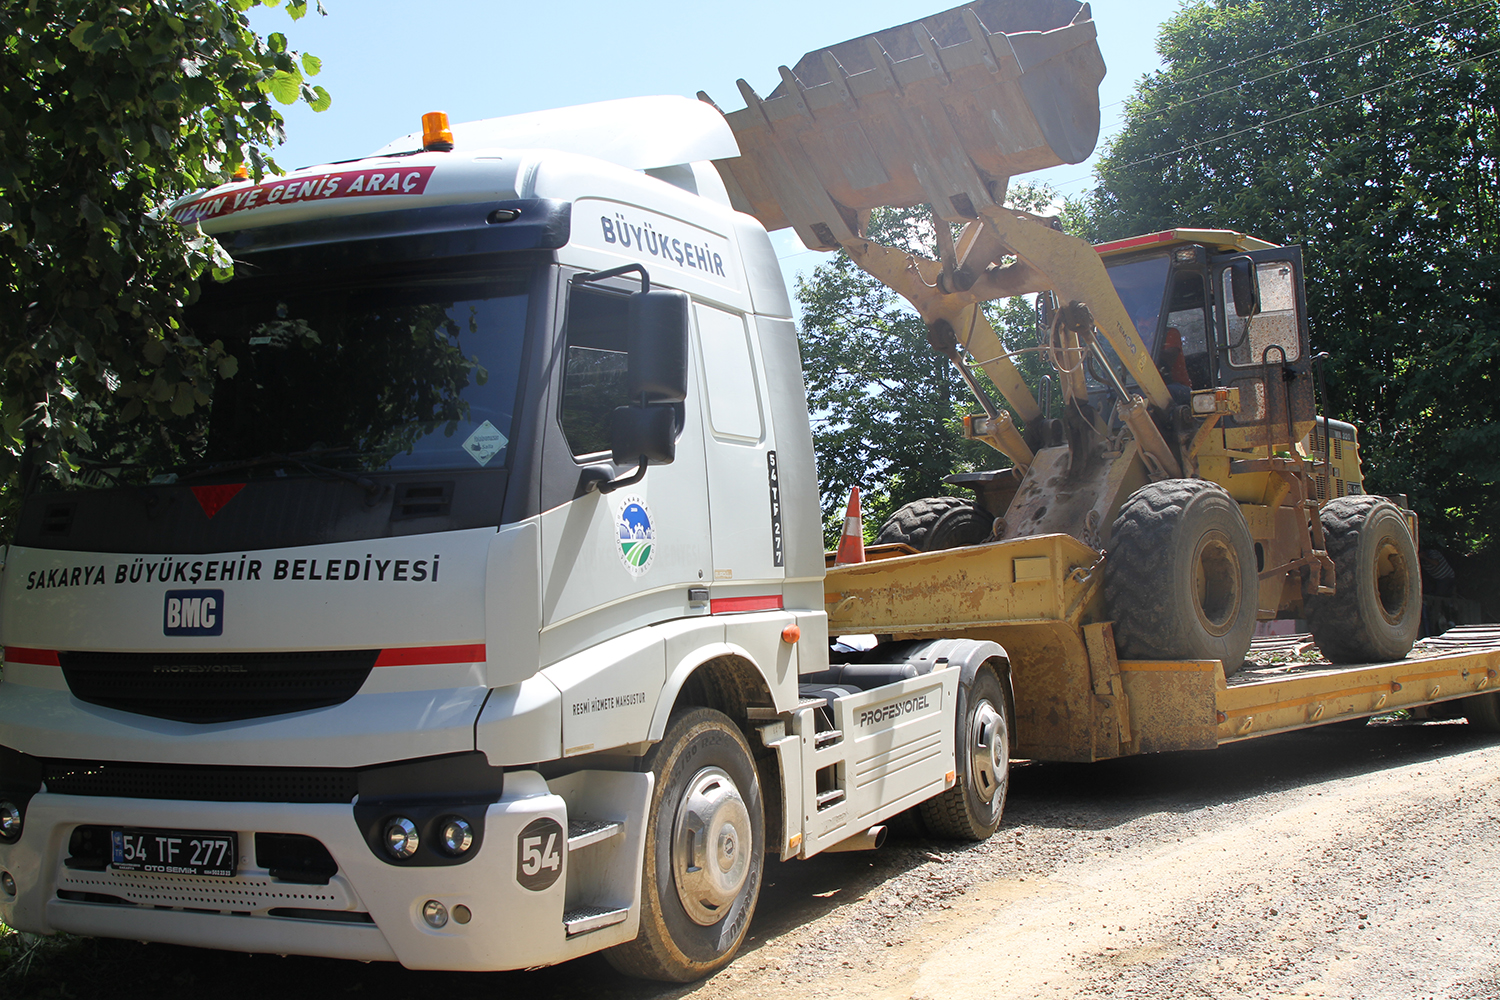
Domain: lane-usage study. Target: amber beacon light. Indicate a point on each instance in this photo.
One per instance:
(436, 136)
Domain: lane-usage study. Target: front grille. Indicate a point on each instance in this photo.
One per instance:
(203, 784)
(216, 687)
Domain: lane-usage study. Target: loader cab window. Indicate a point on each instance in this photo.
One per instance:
(1184, 358)
(595, 367)
(1141, 285)
(1254, 340)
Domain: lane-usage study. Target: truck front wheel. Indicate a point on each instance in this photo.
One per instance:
(705, 851)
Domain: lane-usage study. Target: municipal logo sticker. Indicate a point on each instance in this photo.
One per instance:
(636, 534)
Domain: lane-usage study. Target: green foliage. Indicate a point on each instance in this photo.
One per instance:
(109, 110)
(887, 409)
(1367, 133)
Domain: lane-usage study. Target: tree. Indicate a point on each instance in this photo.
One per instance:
(109, 110)
(887, 409)
(1367, 132)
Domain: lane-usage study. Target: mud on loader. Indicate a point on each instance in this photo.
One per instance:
(1183, 465)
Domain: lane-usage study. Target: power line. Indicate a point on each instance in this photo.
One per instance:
(1307, 62)
(1235, 63)
(1306, 111)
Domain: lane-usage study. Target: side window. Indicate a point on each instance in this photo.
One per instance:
(1274, 326)
(594, 369)
(733, 402)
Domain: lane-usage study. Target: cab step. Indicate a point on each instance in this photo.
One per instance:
(592, 918)
(583, 832)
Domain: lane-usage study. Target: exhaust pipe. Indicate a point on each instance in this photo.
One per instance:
(869, 840)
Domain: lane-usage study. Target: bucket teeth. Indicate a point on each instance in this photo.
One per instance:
(941, 111)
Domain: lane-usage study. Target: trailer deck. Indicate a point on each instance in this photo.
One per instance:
(1075, 701)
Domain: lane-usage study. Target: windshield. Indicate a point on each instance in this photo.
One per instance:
(1141, 285)
(410, 373)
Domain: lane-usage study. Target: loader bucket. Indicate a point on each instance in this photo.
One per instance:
(941, 111)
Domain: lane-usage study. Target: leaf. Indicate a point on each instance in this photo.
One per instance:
(229, 366)
(77, 35)
(285, 86)
(322, 100)
(90, 211)
(311, 64)
(182, 399)
(276, 42)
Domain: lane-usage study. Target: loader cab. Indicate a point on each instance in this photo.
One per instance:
(1218, 308)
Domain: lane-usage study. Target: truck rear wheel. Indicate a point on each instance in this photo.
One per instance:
(1482, 711)
(705, 852)
(1377, 609)
(1180, 580)
(937, 523)
(972, 808)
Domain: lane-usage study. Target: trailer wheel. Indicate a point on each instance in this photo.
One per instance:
(1482, 711)
(1375, 614)
(705, 851)
(937, 523)
(1180, 580)
(972, 808)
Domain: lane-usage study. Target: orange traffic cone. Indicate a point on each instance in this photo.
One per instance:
(852, 544)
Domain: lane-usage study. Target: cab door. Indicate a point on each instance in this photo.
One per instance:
(1265, 355)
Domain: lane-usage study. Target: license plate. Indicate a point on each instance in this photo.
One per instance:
(174, 852)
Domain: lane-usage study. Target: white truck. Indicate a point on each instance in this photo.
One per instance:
(482, 622)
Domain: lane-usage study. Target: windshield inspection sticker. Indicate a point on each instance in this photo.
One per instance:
(637, 535)
(485, 443)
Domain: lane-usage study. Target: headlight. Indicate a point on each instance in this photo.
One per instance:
(401, 837)
(455, 836)
(10, 821)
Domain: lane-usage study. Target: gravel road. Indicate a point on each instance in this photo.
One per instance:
(1339, 862)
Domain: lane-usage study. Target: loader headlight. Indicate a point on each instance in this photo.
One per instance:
(10, 821)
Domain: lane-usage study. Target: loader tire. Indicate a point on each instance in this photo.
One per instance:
(705, 804)
(937, 523)
(972, 808)
(1180, 579)
(1377, 608)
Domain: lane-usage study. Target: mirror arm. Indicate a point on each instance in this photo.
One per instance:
(611, 485)
(615, 272)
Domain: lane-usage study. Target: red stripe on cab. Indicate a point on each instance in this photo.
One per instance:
(768, 602)
(42, 657)
(410, 655)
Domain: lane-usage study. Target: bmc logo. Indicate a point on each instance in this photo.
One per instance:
(194, 612)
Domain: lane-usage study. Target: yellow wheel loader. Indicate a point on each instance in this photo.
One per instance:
(1183, 457)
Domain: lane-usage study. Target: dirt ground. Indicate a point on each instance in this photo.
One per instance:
(1343, 862)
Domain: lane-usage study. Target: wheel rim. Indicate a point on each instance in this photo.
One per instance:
(1216, 583)
(1391, 581)
(711, 845)
(989, 753)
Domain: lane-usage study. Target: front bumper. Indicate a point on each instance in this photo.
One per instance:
(370, 909)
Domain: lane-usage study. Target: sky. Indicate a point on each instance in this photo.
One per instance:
(386, 62)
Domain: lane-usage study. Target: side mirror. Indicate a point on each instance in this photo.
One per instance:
(657, 338)
(656, 378)
(643, 432)
(1244, 284)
